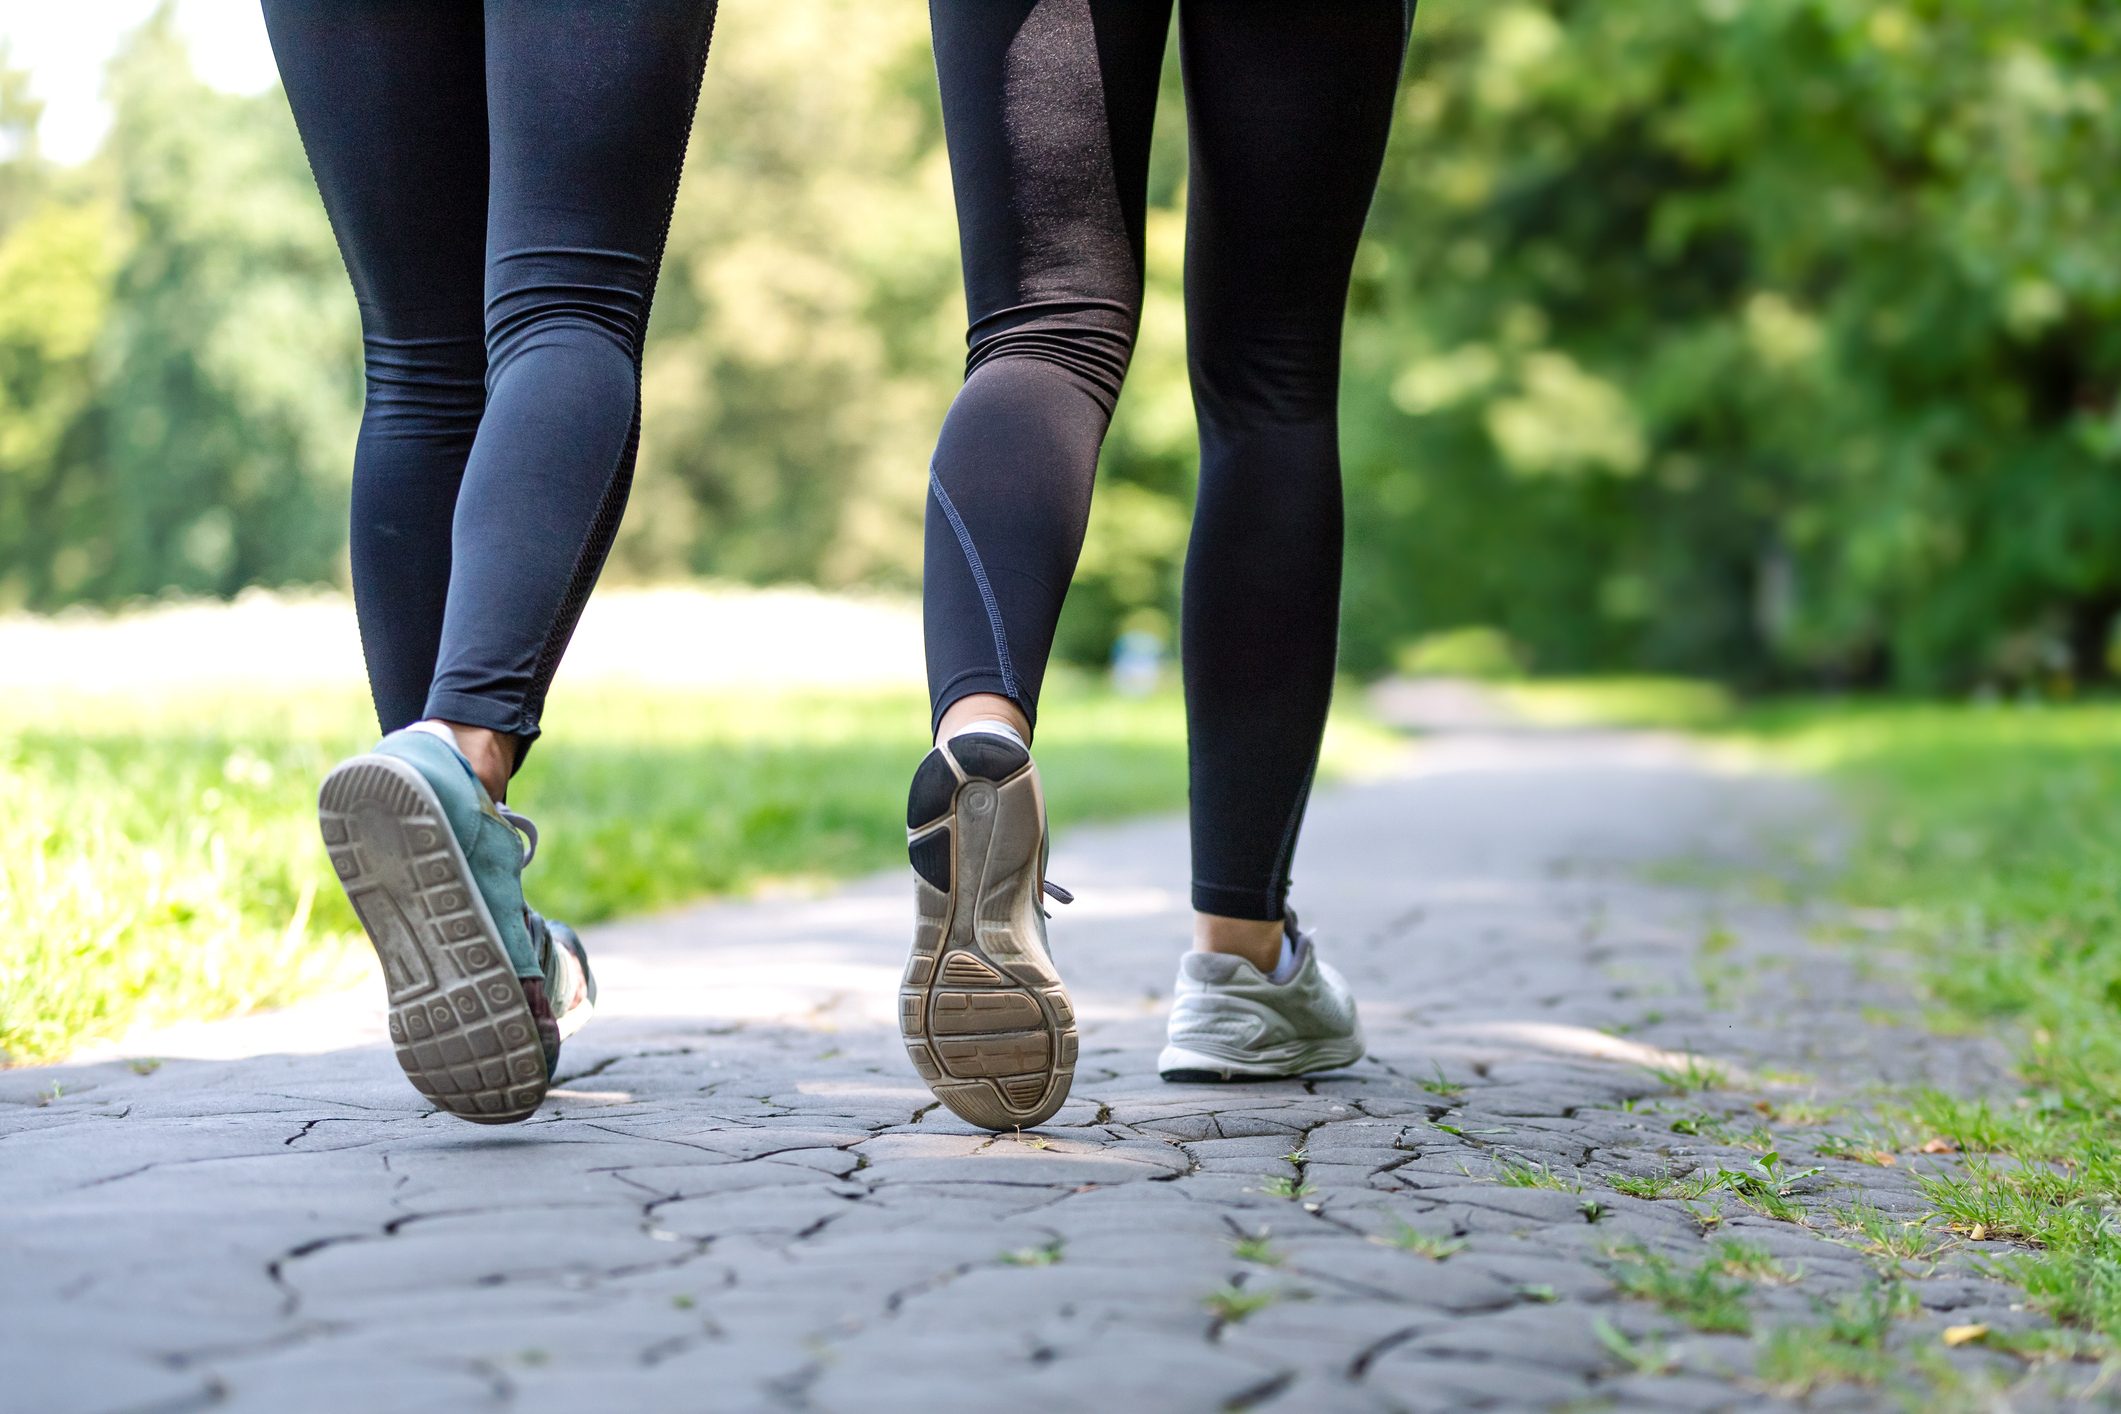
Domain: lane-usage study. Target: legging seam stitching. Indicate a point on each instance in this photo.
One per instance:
(1278, 882)
(979, 579)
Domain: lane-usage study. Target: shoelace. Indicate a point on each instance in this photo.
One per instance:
(524, 826)
(1055, 892)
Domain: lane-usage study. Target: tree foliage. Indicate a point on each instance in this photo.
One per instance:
(1774, 337)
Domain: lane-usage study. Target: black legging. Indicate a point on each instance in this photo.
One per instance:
(500, 177)
(1048, 105)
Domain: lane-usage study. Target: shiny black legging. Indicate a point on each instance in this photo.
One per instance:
(1048, 106)
(500, 176)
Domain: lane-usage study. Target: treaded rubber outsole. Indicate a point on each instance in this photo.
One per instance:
(459, 1021)
(985, 1018)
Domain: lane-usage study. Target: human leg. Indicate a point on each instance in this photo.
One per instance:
(1047, 106)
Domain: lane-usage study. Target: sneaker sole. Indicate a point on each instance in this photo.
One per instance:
(1182, 1066)
(459, 1022)
(985, 1018)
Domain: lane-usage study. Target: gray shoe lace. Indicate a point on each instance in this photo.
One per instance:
(523, 825)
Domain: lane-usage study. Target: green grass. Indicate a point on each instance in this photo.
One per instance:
(159, 859)
(1992, 842)
(1992, 846)
(1994, 837)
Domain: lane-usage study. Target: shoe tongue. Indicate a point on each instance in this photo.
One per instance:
(1211, 967)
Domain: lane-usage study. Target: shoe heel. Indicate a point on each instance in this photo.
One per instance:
(992, 1033)
(460, 1024)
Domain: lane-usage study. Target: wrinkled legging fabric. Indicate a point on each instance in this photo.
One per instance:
(1048, 106)
(500, 177)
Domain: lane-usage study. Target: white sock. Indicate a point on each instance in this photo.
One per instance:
(437, 729)
(1285, 969)
(993, 726)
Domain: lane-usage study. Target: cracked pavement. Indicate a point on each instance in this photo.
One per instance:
(740, 1196)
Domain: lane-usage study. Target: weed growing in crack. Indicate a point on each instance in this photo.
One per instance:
(1043, 1255)
(1749, 1261)
(1257, 1249)
(1764, 1185)
(1848, 1346)
(1691, 1076)
(1281, 1187)
(1840, 1146)
(1684, 1187)
(1443, 1089)
(1231, 1303)
(1801, 1114)
(1656, 1185)
(1907, 1240)
(1409, 1239)
(1524, 1173)
(1643, 1357)
(1702, 1295)
(1774, 1205)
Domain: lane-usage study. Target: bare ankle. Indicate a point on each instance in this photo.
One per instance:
(1257, 942)
(492, 755)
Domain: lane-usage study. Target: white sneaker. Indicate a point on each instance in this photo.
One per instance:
(1229, 1021)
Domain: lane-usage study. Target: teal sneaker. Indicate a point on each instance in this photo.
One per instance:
(481, 989)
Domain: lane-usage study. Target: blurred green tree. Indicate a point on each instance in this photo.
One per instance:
(1771, 339)
(228, 379)
(20, 169)
(56, 255)
(808, 325)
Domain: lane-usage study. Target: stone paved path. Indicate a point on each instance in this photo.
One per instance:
(742, 1199)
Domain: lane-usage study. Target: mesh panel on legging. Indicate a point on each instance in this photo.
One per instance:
(1048, 106)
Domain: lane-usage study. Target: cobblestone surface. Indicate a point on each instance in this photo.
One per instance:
(741, 1198)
